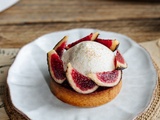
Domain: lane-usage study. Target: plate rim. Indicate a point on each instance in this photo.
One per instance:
(43, 36)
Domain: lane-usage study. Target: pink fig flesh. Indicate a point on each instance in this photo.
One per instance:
(55, 65)
(79, 82)
(111, 44)
(120, 61)
(60, 46)
(90, 37)
(106, 79)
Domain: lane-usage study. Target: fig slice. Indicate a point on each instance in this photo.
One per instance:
(79, 82)
(120, 63)
(90, 37)
(55, 65)
(111, 44)
(106, 79)
(59, 47)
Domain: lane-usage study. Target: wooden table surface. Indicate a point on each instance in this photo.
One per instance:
(29, 19)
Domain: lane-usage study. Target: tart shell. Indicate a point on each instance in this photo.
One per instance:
(94, 99)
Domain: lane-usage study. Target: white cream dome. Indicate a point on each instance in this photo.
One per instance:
(89, 57)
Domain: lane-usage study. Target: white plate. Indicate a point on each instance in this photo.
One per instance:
(28, 81)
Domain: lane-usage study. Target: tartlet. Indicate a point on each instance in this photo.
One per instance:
(87, 72)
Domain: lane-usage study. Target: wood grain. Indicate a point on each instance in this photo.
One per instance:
(15, 36)
(29, 19)
(36, 11)
(3, 114)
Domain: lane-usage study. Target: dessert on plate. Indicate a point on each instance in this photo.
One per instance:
(87, 72)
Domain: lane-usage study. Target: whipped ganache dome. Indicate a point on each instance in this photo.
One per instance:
(89, 57)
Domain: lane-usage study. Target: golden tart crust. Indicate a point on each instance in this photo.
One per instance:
(94, 99)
